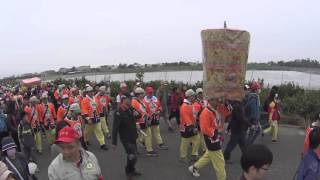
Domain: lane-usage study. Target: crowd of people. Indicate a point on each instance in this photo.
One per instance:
(69, 116)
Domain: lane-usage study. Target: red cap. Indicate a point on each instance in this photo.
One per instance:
(255, 86)
(149, 90)
(67, 135)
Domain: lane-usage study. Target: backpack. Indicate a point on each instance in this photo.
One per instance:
(26, 134)
(3, 123)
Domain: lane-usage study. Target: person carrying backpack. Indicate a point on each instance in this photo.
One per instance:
(252, 112)
(26, 136)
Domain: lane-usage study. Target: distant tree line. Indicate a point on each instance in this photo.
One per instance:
(309, 63)
(297, 65)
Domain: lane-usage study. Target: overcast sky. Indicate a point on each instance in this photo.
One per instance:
(37, 35)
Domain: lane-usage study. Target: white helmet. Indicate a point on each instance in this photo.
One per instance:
(189, 93)
(199, 90)
(88, 89)
(139, 90)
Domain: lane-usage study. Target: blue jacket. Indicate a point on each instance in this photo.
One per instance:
(309, 168)
(252, 107)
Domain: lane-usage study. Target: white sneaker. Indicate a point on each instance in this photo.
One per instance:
(194, 171)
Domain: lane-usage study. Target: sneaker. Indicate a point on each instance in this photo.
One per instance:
(194, 171)
(274, 141)
(163, 146)
(104, 147)
(152, 154)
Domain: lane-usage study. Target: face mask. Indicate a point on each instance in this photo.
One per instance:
(11, 153)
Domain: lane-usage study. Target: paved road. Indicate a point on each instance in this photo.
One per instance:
(166, 167)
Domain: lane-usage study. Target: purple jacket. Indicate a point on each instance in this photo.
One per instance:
(309, 168)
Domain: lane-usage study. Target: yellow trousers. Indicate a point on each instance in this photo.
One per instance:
(185, 143)
(38, 141)
(104, 126)
(146, 139)
(156, 134)
(51, 135)
(203, 143)
(96, 129)
(217, 160)
(274, 128)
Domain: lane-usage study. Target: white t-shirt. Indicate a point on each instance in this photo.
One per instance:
(118, 99)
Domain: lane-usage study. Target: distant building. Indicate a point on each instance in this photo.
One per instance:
(63, 70)
(105, 68)
(49, 72)
(83, 69)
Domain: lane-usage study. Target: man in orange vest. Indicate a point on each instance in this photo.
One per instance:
(188, 128)
(198, 107)
(103, 101)
(155, 108)
(92, 119)
(48, 117)
(63, 109)
(34, 113)
(75, 120)
(209, 128)
(143, 124)
(61, 90)
(75, 97)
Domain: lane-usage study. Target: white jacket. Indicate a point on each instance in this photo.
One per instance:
(89, 169)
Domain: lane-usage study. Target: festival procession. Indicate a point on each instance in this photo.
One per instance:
(76, 128)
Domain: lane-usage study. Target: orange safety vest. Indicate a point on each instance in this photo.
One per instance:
(89, 107)
(62, 111)
(77, 99)
(187, 115)
(102, 103)
(208, 122)
(76, 124)
(34, 114)
(48, 114)
(142, 108)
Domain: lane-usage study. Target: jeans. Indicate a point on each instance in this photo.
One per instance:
(253, 134)
(236, 138)
(132, 158)
(175, 114)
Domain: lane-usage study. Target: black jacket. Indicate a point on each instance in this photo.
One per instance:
(238, 123)
(124, 123)
(20, 163)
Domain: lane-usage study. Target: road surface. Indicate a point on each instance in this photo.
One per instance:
(167, 167)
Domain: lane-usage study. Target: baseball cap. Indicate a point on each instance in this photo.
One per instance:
(67, 135)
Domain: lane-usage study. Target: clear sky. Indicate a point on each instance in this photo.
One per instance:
(37, 35)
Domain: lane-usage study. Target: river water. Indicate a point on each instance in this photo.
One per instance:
(305, 80)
